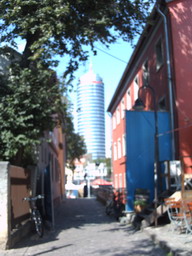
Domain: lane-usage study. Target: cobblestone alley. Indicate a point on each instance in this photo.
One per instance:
(81, 229)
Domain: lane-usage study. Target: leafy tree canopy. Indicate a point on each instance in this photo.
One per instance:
(28, 99)
(64, 26)
(29, 90)
(75, 144)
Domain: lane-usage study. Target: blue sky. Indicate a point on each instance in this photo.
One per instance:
(110, 64)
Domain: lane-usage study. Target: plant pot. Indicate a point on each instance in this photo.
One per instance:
(139, 208)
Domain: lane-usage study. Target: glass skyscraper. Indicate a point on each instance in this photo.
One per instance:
(91, 113)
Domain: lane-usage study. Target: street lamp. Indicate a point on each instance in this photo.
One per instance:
(139, 105)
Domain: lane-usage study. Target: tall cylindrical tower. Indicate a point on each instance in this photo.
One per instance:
(91, 113)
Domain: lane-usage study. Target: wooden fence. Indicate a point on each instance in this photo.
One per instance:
(15, 184)
(19, 188)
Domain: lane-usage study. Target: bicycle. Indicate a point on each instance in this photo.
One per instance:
(114, 206)
(109, 209)
(35, 214)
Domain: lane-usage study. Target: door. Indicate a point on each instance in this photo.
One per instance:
(48, 196)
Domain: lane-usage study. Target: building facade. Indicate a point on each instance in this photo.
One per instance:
(91, 114)
(51, 169)
(47, 177)
(161, 59)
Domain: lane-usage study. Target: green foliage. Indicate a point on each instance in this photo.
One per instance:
(140, 202)
(75, 144)
(63, 27)
(169, 254)
(29, 90)
(26, 108)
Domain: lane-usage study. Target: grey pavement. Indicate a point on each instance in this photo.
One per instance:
(82, 228)
(172, 241)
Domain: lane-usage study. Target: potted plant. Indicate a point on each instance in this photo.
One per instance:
(139, 205)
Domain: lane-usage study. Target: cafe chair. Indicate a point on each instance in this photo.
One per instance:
(176, 214)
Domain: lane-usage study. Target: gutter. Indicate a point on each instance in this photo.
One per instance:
(170, 79)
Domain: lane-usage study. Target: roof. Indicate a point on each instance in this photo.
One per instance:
(117, 95)
(101, 182)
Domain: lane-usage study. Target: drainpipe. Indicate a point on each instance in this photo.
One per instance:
(170, 84)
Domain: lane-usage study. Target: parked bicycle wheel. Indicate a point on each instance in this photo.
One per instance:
(38, 222)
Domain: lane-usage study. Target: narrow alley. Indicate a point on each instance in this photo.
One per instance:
(83, 228)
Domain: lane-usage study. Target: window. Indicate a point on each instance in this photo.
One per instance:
(120, 181)
(115, 151)
(162, 104)
(116, 181)
(129, 99)
(119, 148)
(123, 145)
(145, 73)
(159, 54)
(114, 121)
(136, 87)
(118, 115)
(122, 108)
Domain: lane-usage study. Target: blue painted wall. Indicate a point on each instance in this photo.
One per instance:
(140, 130)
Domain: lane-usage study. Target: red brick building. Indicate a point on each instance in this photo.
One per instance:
(163, 59)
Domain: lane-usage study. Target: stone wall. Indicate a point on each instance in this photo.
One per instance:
(4, 205)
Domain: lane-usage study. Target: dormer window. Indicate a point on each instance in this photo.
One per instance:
(162, 104)
(136, 87)
(159, 54)
(129, 99)
(122, 108)
(118, 115)
(145, 72)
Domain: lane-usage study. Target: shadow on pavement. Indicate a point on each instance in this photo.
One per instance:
(139, 248)
(54, 248)
(72, 213)
(75, 222)
(75, 213)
